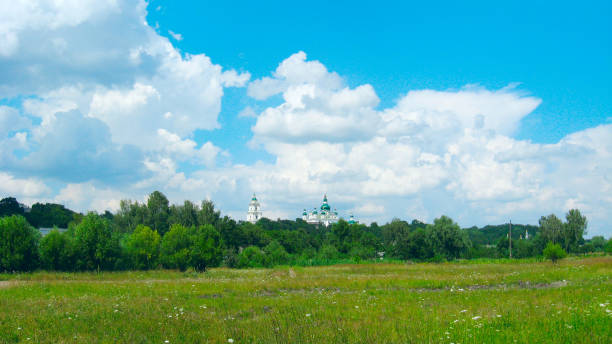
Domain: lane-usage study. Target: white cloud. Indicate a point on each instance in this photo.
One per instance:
(176, 36)
(20, 187)
(434, 152)
(78, 197)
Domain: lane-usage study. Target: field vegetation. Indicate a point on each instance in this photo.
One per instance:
(518, 301)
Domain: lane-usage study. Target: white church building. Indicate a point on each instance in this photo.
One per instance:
(254, 213)
(324, 216)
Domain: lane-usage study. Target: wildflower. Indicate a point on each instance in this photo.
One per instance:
(463, 311)
(116, 310)
(19, 328)
(307, 314)
(476, 317)
(356, 307)
(230, 340)
(166, 341)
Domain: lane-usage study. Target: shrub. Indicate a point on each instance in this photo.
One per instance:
(142, 247)
(57, 251)
(553, 252)
(275, 254)
(251, 257)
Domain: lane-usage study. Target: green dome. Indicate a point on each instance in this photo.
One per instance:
(325, 206)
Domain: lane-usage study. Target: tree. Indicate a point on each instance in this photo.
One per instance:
(9, 206)
(157, 204)
(207, 248)
(57, 251)
(186, 214)
(447, 239)
(551, 228)
(18, 244)
(95, 243)
(574, 229)
(208, 214)
(130, 215)
(175, 248)
(609, 246)
(598, 242)
(554, 252)
(142, 248)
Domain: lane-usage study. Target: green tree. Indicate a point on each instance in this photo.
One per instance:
(130, 215)
(175, 248)
(598, 242)
(186, 214)
(207, 248)
(9, 206)
(95, 243)
(208, 215)
(609, 246)
(554, 252)
(142, 248)
(447, 239)
(57, 251)
(551, 228)
(18, 244)
(574, 229)
(157, 204)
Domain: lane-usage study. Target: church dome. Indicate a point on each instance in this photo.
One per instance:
(325, 206)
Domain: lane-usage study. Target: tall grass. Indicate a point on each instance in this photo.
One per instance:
(461, 302)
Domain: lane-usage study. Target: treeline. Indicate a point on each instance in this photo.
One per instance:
(156, 234)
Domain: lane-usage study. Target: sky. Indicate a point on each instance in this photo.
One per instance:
(481, 111)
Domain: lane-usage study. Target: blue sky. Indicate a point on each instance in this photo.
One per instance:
(478, 110)
(559, 52)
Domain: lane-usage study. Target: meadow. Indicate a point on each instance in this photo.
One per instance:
(520, 301)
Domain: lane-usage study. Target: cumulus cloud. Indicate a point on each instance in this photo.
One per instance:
(20, 187)
(76, 148)
(110, 92)
(450, 150)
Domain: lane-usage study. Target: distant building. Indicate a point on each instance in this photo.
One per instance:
(254, 213)
(46, 230)
(352, 220)
(324, 217)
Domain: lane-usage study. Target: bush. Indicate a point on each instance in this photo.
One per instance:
(275, 254)
(251, 257)
(553, 252)
(18, 244)
(57, 251)
(142, 248)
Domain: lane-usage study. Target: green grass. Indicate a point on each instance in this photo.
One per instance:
(489, 302)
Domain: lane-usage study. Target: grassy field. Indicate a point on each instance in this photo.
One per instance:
(521, 301)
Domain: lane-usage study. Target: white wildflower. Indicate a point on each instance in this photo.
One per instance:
(230, 340)
(463, 311)
(476, 317)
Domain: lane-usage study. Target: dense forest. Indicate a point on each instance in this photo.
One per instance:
(190, 236)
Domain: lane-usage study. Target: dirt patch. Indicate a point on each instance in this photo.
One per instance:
(8, 284)
(210, 296)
